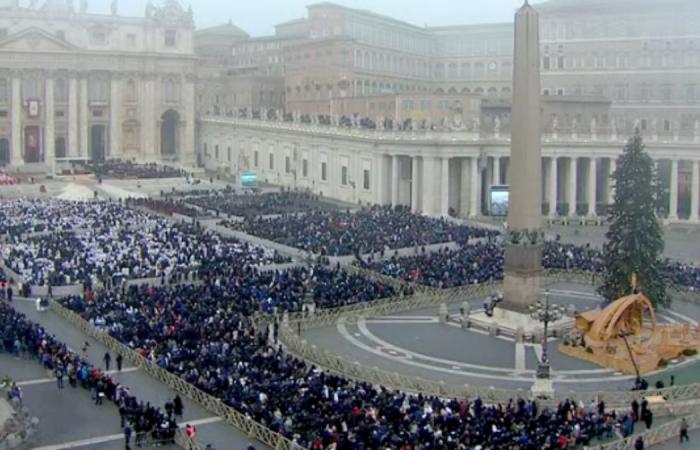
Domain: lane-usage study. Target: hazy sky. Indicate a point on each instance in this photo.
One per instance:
(258, 17)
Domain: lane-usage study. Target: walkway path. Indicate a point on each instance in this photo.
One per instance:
(69, 419)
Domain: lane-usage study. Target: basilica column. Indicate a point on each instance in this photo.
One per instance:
(573, 173)
(695, 186)
(465, 168)
(414, 184)
(115, 129)
(673, 194)
(474, 188)
(84, 111)
(187, 149)
(73, 144)
(17, 159)
(394, 180)
(553, 186)
(148, 119)
(50, 136)
(431, 205)
(592, 185)
(445, 187)
(496, 171)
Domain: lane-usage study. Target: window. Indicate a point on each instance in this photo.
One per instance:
(644, 124)
(305, 168)
(272, 162)
(546, 62)
(560, 92)
(205, 150)
(216, 152)
(98, 37)
(98, 91)
(229, 154)
(545, 92)
(324, 171)
(426, 105)
(170, 38)
(255, 159)
(365, 179)
(344, 175)
(287, 165)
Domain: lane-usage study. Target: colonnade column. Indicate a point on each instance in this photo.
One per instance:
(553, 186)
(73, 144)
(445, 187)
(50, 138)
(673, 200)
(115, 145)
(84, 149)
(414, 184)
(592, 185)
(573, 172)
(474, 188)
(695, 186)
(16, 159)
(431, 204)
(187, 148)
(394, 180)
(611, 182)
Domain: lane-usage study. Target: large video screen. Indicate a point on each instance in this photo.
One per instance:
(498, 200)
(249, 180)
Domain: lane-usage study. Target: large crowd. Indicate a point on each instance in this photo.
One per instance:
(483, 262)
(211, 342)
(23, 338)
(116, 168)
(252, 205)
(109, 241)
(370, 230)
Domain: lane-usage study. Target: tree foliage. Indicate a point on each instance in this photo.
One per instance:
(635, 237)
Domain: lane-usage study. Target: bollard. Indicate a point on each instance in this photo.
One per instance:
(443, 314)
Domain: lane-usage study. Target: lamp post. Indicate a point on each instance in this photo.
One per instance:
(545, 312)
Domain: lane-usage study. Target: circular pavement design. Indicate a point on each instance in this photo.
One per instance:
(415, 343)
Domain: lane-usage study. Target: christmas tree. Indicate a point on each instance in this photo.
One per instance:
(635, 238)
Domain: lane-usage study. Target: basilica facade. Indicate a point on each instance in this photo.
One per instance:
(75, 85)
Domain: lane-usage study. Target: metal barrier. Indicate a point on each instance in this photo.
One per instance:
(253, 429)
(657, 435)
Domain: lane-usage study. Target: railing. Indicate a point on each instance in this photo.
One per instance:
(656, 435)
(253, 429)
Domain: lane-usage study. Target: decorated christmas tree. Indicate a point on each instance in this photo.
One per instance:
(635, 238)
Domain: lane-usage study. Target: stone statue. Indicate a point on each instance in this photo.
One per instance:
(380, 123)
(637, 127)
(594, 128)
(613, 130)
(574, 128)
(497, 127)
(149, 9)
(696, 131)
(113, 7)
(457, 123)
(555, 124)
(83, 6)
(395, 124)
(476, 124)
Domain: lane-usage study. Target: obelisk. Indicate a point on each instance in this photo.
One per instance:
(523, 249)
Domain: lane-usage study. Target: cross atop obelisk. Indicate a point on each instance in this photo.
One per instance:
(523, 264)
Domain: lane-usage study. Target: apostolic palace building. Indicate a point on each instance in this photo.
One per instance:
(358, 106)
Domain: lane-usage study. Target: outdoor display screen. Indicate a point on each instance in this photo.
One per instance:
(249, 180)
(498, 200)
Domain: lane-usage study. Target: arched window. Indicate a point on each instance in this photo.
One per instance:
(171, 92)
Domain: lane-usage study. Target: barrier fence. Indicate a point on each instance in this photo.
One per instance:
(253, 429)
(654, 436)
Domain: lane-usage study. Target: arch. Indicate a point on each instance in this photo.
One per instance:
(4, 152)
(170, 123)
(493, 92)
(620, 315)
(466, 90)
(479, 90)
(452, 91)
(440, 91)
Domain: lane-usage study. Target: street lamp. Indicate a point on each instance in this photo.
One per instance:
(545, 313)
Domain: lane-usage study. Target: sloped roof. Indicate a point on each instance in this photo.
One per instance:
(227, 29)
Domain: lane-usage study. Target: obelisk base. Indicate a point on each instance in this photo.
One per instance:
(522, 277)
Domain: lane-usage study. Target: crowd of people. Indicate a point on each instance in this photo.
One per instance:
(252, 205)
(483, 262)
(211, 342)
(167, 207)
(116, 168)
(110, 241)
(25, 216)
(370, 230)
(23, 338)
